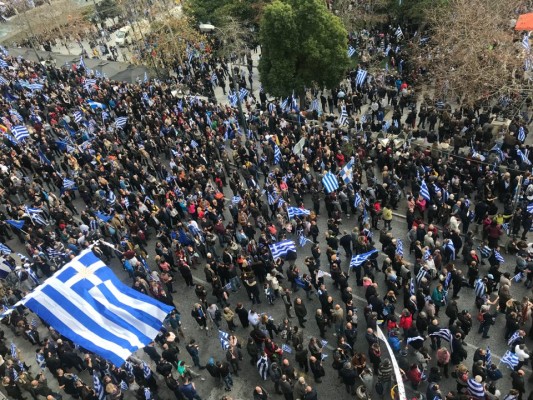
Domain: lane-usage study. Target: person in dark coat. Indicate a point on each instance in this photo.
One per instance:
(349, 377)
(242, 313)
(459, 353)
(12, 389)
(300, 311)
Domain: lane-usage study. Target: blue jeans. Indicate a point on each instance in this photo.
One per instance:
(228, 381)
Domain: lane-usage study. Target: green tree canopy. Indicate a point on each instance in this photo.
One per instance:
(107, 9)
(302, 44)
(214, 11)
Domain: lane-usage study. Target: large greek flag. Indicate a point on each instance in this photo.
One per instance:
(88, 304)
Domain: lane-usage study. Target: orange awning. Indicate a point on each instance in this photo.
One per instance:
(525, 22)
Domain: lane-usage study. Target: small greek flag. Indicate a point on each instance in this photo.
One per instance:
(315, 105)
(121, 122)
(361, 77)
(488, 357)
(4, 249)
(78, 116)
(236, 199)
(280, 249)
(224, 339)
(343, 118)
(233, 99)
(68, 183)
(297, 212)
(14, 352)
(518, 277)
(286, 348)
(351, 51)
(510, 359)
(3, 63)
(123, 386)
(424, 191)
(284, 104)
(521, 134)
(243, 92)
(346, 172)
(426, 255)
(359, 259)
(81, 63)
(523, 156)
(449, 245)
(303, 240)
(479, 288)
(147, 372)
(20, 132)
(214, 78)
(412, 290)
(98, 387)
(443, 333)
(498, 256)
(277, 154)
(399, 247)
(513, 338)
(330, 183)
(358, 200)
(398, 33)
(525, 42)
(194, 144)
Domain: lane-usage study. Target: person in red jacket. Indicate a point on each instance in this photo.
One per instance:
(406, 321)
(414, 375)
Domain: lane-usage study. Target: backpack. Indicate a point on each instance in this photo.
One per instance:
(480, 316)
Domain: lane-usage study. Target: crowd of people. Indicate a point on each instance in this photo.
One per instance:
(122, 167)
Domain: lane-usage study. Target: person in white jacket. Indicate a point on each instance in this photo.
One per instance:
(522, 353)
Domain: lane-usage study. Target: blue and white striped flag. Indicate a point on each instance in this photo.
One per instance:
(233, 99)
(286, 348)
(424, 191)
(315, 105)
(518, 277)
(412, 289)
(20, 132)
(303, 240)
(236, 199)
(16, 114)
(444, 334)
(284, 104)
(359, 259)
(343, 118)
(529, 208)
(88, 304)
(330, 183)
(447, 281)
(128, 367)
(523, 156)
(4, 249)
(14, 352)
(449, 245)
(68, 183)
(361, 77)
(81, 63)
(243, 92)
(223, 337)
(357, 201)
(123, 386)
(351, 51)
(35, 86)
(399, 247)
(475, 389)
(521, 134)
(98, 387)
(34, 323)
(498, 256)
(398, 33)
(513, 338)
(194, 144)
(525, 42)
(297, 212)
(214, 78)
(479, 288)
(147, 372)
(488, 357)
(280, 249)
(78, 116)
(3, 63)
(111, 198)
(510, 359)
(277, 154)
(121, 122)
(95, 104)
(427, 254)
(19, 224)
